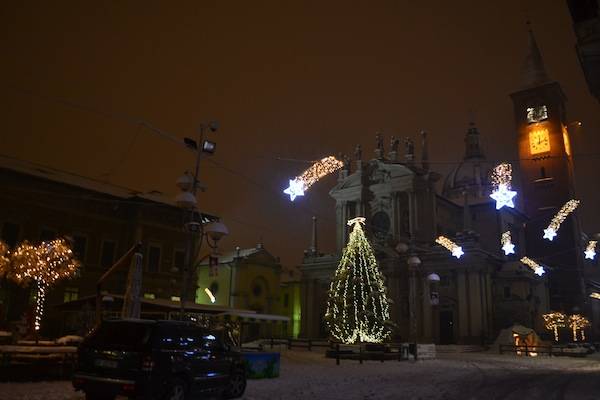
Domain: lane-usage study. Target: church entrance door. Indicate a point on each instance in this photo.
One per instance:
(446, 327)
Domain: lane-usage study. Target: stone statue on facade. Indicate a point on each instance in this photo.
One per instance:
(410, 149)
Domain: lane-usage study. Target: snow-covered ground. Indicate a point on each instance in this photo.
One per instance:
(310, 376)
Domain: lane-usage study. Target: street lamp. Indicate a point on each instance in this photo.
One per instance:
(188, 202)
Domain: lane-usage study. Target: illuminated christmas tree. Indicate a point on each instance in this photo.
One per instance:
(358, 306)
(553, 321)
(43, 265)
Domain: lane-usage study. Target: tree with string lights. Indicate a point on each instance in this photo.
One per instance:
(43, 265)
(358, 305)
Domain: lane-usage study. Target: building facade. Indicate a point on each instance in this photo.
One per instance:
(103, 221)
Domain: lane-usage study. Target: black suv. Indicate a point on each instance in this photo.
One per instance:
(146, 359)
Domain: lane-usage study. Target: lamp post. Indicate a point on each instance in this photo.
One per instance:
(413, 264)
(187, 201)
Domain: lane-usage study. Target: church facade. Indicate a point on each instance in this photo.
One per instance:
(437, 297)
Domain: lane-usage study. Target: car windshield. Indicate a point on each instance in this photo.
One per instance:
(121, 335)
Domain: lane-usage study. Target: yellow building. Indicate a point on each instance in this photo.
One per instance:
(253, 279)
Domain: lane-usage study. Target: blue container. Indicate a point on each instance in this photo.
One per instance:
(261, 365)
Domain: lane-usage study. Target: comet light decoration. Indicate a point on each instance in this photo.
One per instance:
(455, 249)
(552, 229)
(553, 321)
(501, 180)
(578, 322)
(43, 265)
(210, 295)
(318, 170)
(590, 250)
(507, 245)
(535, 267)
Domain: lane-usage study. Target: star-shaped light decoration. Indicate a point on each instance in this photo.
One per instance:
(503, 196)
(295, 189)
(457, 251)
(508, 248)
(590, 254)
(539, 271)
(549, 233)
(507, 245)
(590, 250)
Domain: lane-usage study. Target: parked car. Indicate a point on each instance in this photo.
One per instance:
(147, 359)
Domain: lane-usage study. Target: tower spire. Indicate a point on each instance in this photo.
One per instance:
(472, 143)
(534, 72)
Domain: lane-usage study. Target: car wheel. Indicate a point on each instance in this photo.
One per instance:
(237, 386)
(177, 390)
(98, 396)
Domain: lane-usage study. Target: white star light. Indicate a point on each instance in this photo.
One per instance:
(503, 196)
(508, 248)
(590, 254)
(539, 271)
(549, 233)
(295, 189)
(457, 251)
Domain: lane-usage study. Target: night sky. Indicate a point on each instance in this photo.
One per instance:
(286, 80)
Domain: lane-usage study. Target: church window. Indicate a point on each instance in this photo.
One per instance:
(543, 172)
(537, 114)
(286, 299)
(381, 224)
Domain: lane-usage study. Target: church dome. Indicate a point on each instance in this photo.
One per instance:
(472, 174)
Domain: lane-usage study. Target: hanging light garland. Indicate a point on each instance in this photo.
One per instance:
(578, 322)
(561, 215)
(590, 250)
(455, 249)
(506, 243)
(43, 265)
(553, 321)
(535, 267)
(501, 181)
(318, 170)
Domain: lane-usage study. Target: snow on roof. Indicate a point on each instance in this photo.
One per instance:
(91, 184)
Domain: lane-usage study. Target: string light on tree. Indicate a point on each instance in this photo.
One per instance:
(551, 231)
(358, 305)
(578, 322)
(318, 170)
(535, 267)
(455, 249)
(507, 245)
(501, 180)
(553, 321)
(590, 250)
(43, 265)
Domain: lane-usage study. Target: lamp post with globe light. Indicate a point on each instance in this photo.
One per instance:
(187, 201)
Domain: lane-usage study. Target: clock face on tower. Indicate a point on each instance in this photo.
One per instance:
(539, 141)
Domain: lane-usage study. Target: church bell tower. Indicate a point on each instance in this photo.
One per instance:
(546, 177)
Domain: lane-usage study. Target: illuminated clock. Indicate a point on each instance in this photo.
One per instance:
(539, 141)
(537, 114)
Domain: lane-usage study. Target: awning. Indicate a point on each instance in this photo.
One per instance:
(151, 305)
(250, 316)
